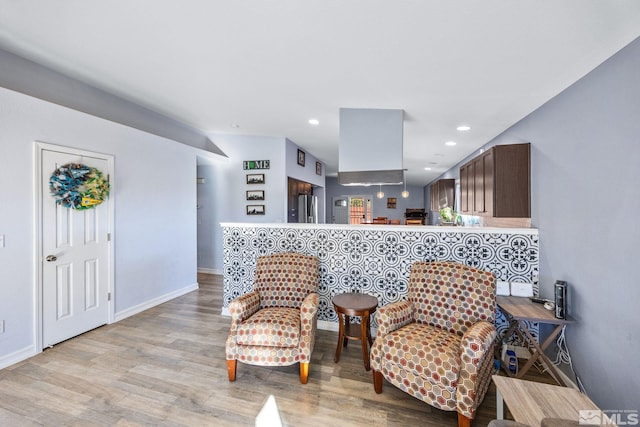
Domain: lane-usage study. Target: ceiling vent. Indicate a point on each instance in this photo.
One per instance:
(370, 149)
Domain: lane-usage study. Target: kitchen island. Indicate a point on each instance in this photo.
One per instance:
(376, 259)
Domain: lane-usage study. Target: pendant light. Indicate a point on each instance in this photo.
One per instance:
(405, 193)
(380, 194)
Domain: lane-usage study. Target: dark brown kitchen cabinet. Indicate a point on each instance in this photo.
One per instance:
(489, 182)
(483, 184)
(433, 197)
(478, 186)
(497, 182)
(442, 194)
(466, 179)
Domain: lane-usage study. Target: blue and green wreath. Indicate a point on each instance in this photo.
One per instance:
(78, 186)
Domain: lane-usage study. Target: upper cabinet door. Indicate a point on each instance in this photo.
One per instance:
(433, 197)
(512, 181)
(478, 186)
(489, 201)
(464, 189)
(442, 194)
(447, 193)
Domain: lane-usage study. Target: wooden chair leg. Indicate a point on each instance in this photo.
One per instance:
(463, 421)
(304, 372)
(377, 381)
(231, 369)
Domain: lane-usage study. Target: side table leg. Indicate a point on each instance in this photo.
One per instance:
(363, 337)
(513, 328)
(341, 337)
(347, 327)
(538, 353)
(369, 331)
(499, 405)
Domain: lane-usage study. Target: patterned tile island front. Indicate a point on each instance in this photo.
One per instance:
(376, 259)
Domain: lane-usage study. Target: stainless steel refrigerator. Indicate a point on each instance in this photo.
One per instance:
(308, 209)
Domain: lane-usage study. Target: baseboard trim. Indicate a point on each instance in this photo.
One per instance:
(327, 326)
(209, 271)
(153, 302)
(17, 356)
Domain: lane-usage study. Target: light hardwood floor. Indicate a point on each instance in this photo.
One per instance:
(166, 367)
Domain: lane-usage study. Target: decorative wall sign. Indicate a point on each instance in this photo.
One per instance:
(301, 156)
(255, 209)
(376, 261)
(255, 178)
(255, 164)
(318, 168)
(255, 195)
(78, 186)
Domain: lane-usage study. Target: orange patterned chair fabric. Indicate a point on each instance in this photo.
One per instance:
(275, 324)
(438, 345)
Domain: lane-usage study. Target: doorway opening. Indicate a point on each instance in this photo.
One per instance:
(359, 209)
(352, 209)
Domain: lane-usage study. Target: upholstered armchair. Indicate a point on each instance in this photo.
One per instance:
(438, 344)
(275, 324)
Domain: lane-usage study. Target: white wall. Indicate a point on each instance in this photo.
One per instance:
(307, 173)
(155, 209)
(223, 195)
(208, 223)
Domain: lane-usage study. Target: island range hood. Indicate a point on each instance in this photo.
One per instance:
(370, 148)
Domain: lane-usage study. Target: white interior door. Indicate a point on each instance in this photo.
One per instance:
(75, 258)
(340, 210)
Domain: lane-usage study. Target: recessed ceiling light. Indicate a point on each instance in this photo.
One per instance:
(427, 169)
(314, 122)
(463, 128)
(450, 143)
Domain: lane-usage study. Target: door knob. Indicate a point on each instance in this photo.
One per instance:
(51, 258)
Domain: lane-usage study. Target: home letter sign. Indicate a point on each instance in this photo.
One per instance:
(255, 164)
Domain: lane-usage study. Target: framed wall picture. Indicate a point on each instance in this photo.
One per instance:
(255, 178)
(255, 209)
(301, 156)
(318, 168)
(255, 194)
(391, 203)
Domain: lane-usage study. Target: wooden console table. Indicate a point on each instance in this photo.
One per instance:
(517, 310)
(530, 402)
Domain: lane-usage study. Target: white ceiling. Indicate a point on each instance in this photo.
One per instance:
(268, 66)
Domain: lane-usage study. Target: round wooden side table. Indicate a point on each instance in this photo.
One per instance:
(355, 304)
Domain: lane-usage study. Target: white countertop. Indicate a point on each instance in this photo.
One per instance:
(386, 227)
